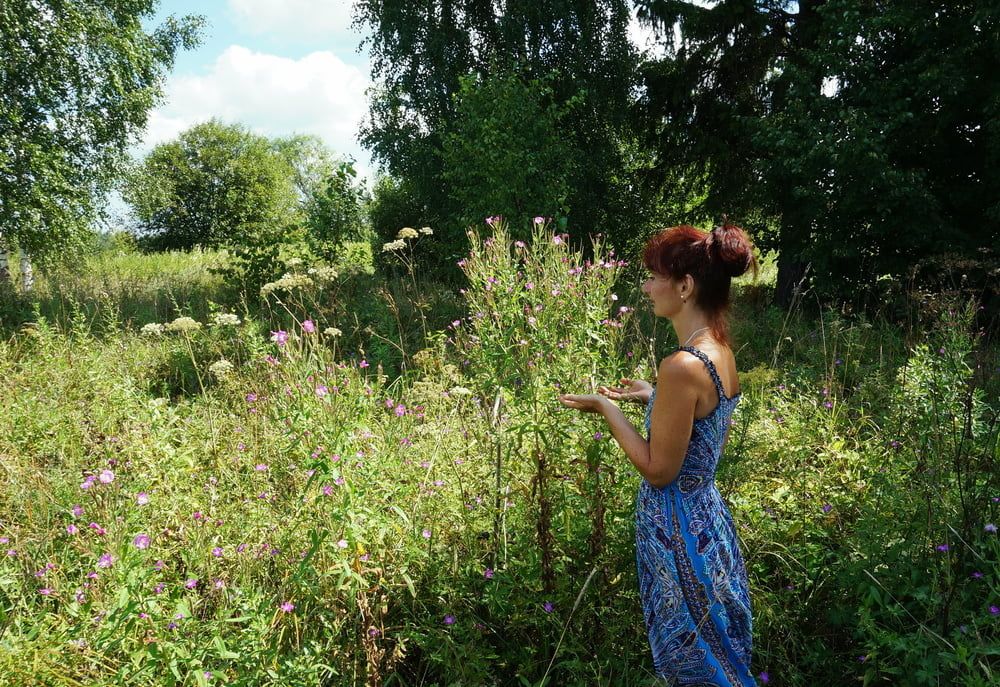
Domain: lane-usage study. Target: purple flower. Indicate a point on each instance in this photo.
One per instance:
(142, 498)
(556, 240)
(105, 561)
(400, 410)
(251, 397)
(990, 527)
(141, 541)
(106, 477)
(191, 583)
(280, 337)
(426, 534)
(363, 363)
(449, 620)
(159, 565)
(976, 575)
(994, 610)
(45, 591)
(87, 483)
(327, 490)
(539, 220)
(548, 607)
(827, 508)
(287, 607)
(77, 510)
(598, 436)
(942, 547)
(308, 326)
(72, 529)
(764, 677)
(488, 573)
(217, 552)
(260, 467)
(828, 405)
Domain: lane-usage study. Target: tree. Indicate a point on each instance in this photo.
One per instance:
(331, 197)
(855, 137)
(504, 154)
(422, 49)
(77, 81)
(216, 185)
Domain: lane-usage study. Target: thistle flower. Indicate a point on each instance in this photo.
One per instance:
(141, 541)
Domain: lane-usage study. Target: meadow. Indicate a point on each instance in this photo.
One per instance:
(361, 476)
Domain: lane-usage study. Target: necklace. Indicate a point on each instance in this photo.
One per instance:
(692, 336)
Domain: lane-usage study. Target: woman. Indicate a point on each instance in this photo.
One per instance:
(692, 578)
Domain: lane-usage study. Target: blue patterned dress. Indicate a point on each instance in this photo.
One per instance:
(692, 578)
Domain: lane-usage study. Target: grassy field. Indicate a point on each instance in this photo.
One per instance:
(368, 480)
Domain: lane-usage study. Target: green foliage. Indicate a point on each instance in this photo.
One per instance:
(77, 82)
(857, 450)
(429, 132)
(858, 138)
(216, 185)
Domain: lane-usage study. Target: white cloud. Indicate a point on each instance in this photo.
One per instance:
(294, 18)
(275, 96)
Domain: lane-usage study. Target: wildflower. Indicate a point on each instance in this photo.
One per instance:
(400, 410)
(287, 607)
(105, 561)
(308, 326)
(221, 368)
(217, 552)
(160, 586)
(764, 677)
(77, 510)
(224, 319)
(407, 233)
(976, 575)
(342, 544)
(363, 363)
(994, 610)
(321, 390)
(529, 286)
(449, 620)
(548, 607)
(87, 483)
(492, 220)
(327, 490)
(159, 565)
(539, 220)
(72, 529)
(183, 324)
(598, 436)
(261, 467)
(426, 534)
(191, 583)
(45, 591)
(488, 573)
(827, 508)
(142, 498)
(339, 481)
(556, 240)
(152, 329)
(827, 405)
(141, 541)
(398, 244)
(991, 528)
(279, 337)
(942, 547)
(332, 332)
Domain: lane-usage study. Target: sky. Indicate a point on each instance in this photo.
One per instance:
(278, 67)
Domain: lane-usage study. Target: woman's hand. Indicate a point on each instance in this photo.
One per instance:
(634, 390)
(588, 403)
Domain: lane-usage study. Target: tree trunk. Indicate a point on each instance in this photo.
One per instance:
(4, 262)
(791, 278)
(27, 274)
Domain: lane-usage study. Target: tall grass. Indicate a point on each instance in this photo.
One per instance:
(309, 516)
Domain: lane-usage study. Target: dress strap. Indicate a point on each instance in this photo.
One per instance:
(710, 365)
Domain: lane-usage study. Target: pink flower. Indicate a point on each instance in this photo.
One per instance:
(308, 326)
(449, 620)
(342, 544)
(217, 552)
(105, 561)
(287, 607)
(72, 529)
(280, 337)
(142, 498)
(45, 591)
(191, 583)
(363, 363)
(488, 573)
(106, 477)
(77, 510)
(327, 490)
(539, 220)
(426, 534)
(556, 240)
(141, 541)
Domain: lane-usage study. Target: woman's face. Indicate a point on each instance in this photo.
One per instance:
(663, 293)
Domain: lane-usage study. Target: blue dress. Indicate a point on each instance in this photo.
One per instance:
(692, 578)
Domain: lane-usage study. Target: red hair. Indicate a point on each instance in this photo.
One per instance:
(712, 259)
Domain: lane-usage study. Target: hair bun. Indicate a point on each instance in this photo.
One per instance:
(731, 248)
